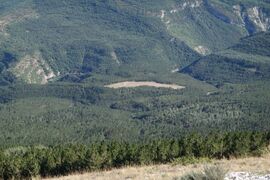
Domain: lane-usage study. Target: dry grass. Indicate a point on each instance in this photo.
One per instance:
(259, 165)
(133, 84)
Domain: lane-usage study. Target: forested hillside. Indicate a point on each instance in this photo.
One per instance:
(194, 78)
(68, 40)
(247, 61)
(57, 59)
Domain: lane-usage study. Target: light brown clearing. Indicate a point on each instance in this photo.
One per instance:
(133, 84)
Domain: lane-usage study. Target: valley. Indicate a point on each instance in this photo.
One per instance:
(191, 73)
(89, 73)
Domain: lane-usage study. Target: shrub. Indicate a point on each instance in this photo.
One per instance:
(209, 173)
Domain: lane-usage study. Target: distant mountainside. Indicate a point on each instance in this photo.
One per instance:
(59, 58)
(208, 26)
(67, 40)
(248, 60)
(48, 39)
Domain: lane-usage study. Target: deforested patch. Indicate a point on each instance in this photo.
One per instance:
(33, 69)
(134, 84)
(114, 57)
(202, 50)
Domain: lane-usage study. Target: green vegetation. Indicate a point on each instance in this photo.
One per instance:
(85, 45)
(118, 39)
(55, 114)
(256, 45)
(248, 61)
(64, 159)
(78, 38)
(76, 47)
(218, 70)
(200, 27)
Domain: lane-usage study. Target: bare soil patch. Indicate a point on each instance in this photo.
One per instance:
(133, 84)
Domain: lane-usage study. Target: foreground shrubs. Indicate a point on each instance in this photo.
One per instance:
(209, 173)
(64, 159)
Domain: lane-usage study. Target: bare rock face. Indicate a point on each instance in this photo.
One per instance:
(259, 18)
(254, 19)
(187, 4)
(202, 50)
(246, 176)
(33, 69)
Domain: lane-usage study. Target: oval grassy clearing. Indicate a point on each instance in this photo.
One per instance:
(133, 84)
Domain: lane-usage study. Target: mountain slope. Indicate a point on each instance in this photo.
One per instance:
(57, 59)
(85, 37)
(245, 62)
(112, 38)
(212, 25)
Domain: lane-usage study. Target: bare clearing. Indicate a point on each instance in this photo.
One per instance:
(33, 69)
(202, 50)
(260, 165)
(114, 57)
(133, 84)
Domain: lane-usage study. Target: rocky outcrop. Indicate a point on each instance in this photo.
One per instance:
(259, 18)
(254, 19)
(33, 69)
(187, 4)
(202, 50)
(246, 176)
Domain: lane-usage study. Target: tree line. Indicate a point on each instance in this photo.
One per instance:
(58, 160)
